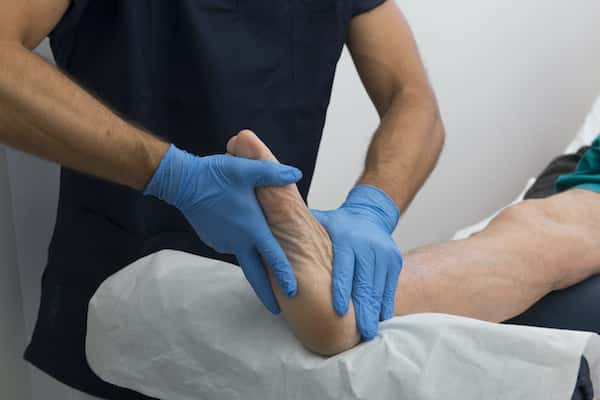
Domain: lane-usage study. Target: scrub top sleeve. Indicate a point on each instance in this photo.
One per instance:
(63, 31)
(361, 6)
(70, 18)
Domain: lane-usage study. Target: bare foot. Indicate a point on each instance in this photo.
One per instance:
(308, 247)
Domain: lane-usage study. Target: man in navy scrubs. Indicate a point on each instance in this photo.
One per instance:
(138, 112)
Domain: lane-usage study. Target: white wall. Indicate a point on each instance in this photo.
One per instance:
(34, 185)
(14, 379)
(34, 195)
(514, 78)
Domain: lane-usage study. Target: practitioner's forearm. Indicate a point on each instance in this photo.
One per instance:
(44, 113)
(408, 142)
(406, 146)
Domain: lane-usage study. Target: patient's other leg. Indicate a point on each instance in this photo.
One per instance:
(308, 247)
(529, 250)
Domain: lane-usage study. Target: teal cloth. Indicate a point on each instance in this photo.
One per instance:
(587, 174)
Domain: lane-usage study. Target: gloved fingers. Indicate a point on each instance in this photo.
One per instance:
(379, 280)
(391, 283)
(365, 306)
(343, 274)
(278, 175)
(267, 173)
(255, 273)
(277, 261)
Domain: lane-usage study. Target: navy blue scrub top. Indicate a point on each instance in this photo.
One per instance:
(194, 72)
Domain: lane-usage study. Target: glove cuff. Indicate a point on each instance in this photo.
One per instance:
(376, 200)
(170, 176)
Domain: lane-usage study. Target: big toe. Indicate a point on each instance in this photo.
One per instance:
(246, 144)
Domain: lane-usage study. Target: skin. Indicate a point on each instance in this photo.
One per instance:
(308, 247)
(44, 113)
(526, 252)
(410, 136)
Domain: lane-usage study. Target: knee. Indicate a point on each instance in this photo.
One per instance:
(530, 221)
(527, 211)
(537, 212)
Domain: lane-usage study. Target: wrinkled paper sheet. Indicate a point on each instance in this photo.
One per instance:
(181, 327)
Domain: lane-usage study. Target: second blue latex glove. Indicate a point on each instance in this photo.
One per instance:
(217, 196)
(366, 260)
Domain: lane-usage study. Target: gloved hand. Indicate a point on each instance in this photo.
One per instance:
(366, 260)
(217, 196)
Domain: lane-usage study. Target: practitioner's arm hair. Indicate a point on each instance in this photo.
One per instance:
(44, 113)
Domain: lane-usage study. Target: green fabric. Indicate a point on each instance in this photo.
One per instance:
(587, 174)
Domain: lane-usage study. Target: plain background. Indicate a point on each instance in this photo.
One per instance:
(514, 78)
(14, 379)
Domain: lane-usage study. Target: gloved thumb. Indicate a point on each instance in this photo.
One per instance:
(268, 173)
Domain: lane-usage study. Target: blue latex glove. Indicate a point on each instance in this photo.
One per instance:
(217, 196)
(366, 260)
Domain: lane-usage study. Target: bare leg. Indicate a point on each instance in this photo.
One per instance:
(528, 251)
